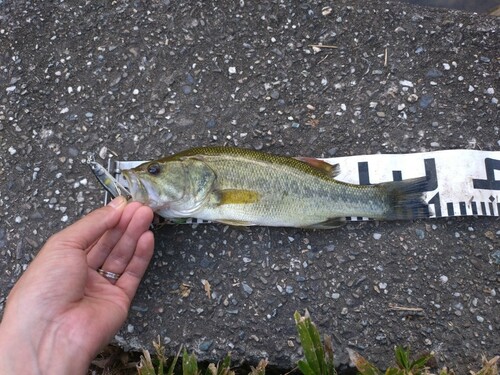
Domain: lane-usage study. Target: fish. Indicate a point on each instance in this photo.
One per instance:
(244, 187)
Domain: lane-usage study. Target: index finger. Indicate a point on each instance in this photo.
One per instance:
(90, 228)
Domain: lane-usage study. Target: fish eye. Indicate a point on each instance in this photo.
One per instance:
(154, 169)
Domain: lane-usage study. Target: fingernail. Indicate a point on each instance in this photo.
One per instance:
(117, 202)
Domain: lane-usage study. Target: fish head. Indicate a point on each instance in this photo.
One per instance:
(173, 188)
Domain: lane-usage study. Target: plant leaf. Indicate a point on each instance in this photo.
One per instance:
(395, 371)
(419, 363)
(260, 369)
(174, 362)
(211, 370)
(363, 366)
(402, 357)
(330, 364)
(305, 368)
(189, 363)
(225, 366)
(145, 366)
(308, 343)
(489, 367)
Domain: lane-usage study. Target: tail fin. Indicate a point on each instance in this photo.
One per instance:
(405, 199)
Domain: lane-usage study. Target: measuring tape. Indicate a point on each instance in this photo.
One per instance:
(459, 182)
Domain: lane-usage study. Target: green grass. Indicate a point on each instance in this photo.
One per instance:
(318, 360)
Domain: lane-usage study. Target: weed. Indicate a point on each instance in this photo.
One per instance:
(318, 359)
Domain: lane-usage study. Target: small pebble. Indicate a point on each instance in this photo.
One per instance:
(335, 295)
(189, 79)
(420, 233)
(103, 152)
(425, 101)
(406, 83)
(471, 88)
(480, 319)
(12, 150)
(377, 236)
(446, 66)
(205, 345)
(232, 70)
(247, 288)
(325, 11)
(211, 123)
(412, 98)
(433, 73)
(496, 256)
(443, 279)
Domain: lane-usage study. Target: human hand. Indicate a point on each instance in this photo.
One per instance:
(61, 312)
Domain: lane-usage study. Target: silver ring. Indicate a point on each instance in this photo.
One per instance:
(108, 275)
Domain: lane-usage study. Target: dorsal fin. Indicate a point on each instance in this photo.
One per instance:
(331, 170)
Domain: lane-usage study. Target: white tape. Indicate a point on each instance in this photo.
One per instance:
(460, 182)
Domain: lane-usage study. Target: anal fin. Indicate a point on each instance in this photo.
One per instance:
(238, 223)
(331, 223)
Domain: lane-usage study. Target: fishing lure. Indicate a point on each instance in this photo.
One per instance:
(112, 186)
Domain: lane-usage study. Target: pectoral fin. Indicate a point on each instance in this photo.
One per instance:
(332, 170)
(334, 222)
(236, 196)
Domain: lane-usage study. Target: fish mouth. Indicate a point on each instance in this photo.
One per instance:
(136, 188)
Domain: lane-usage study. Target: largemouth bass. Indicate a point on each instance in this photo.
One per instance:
(246, 187)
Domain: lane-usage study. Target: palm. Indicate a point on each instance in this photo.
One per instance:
(64, 294)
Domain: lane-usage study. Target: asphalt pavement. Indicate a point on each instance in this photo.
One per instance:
(146, 79)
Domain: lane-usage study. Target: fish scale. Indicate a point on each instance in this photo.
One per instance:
(247, 187)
